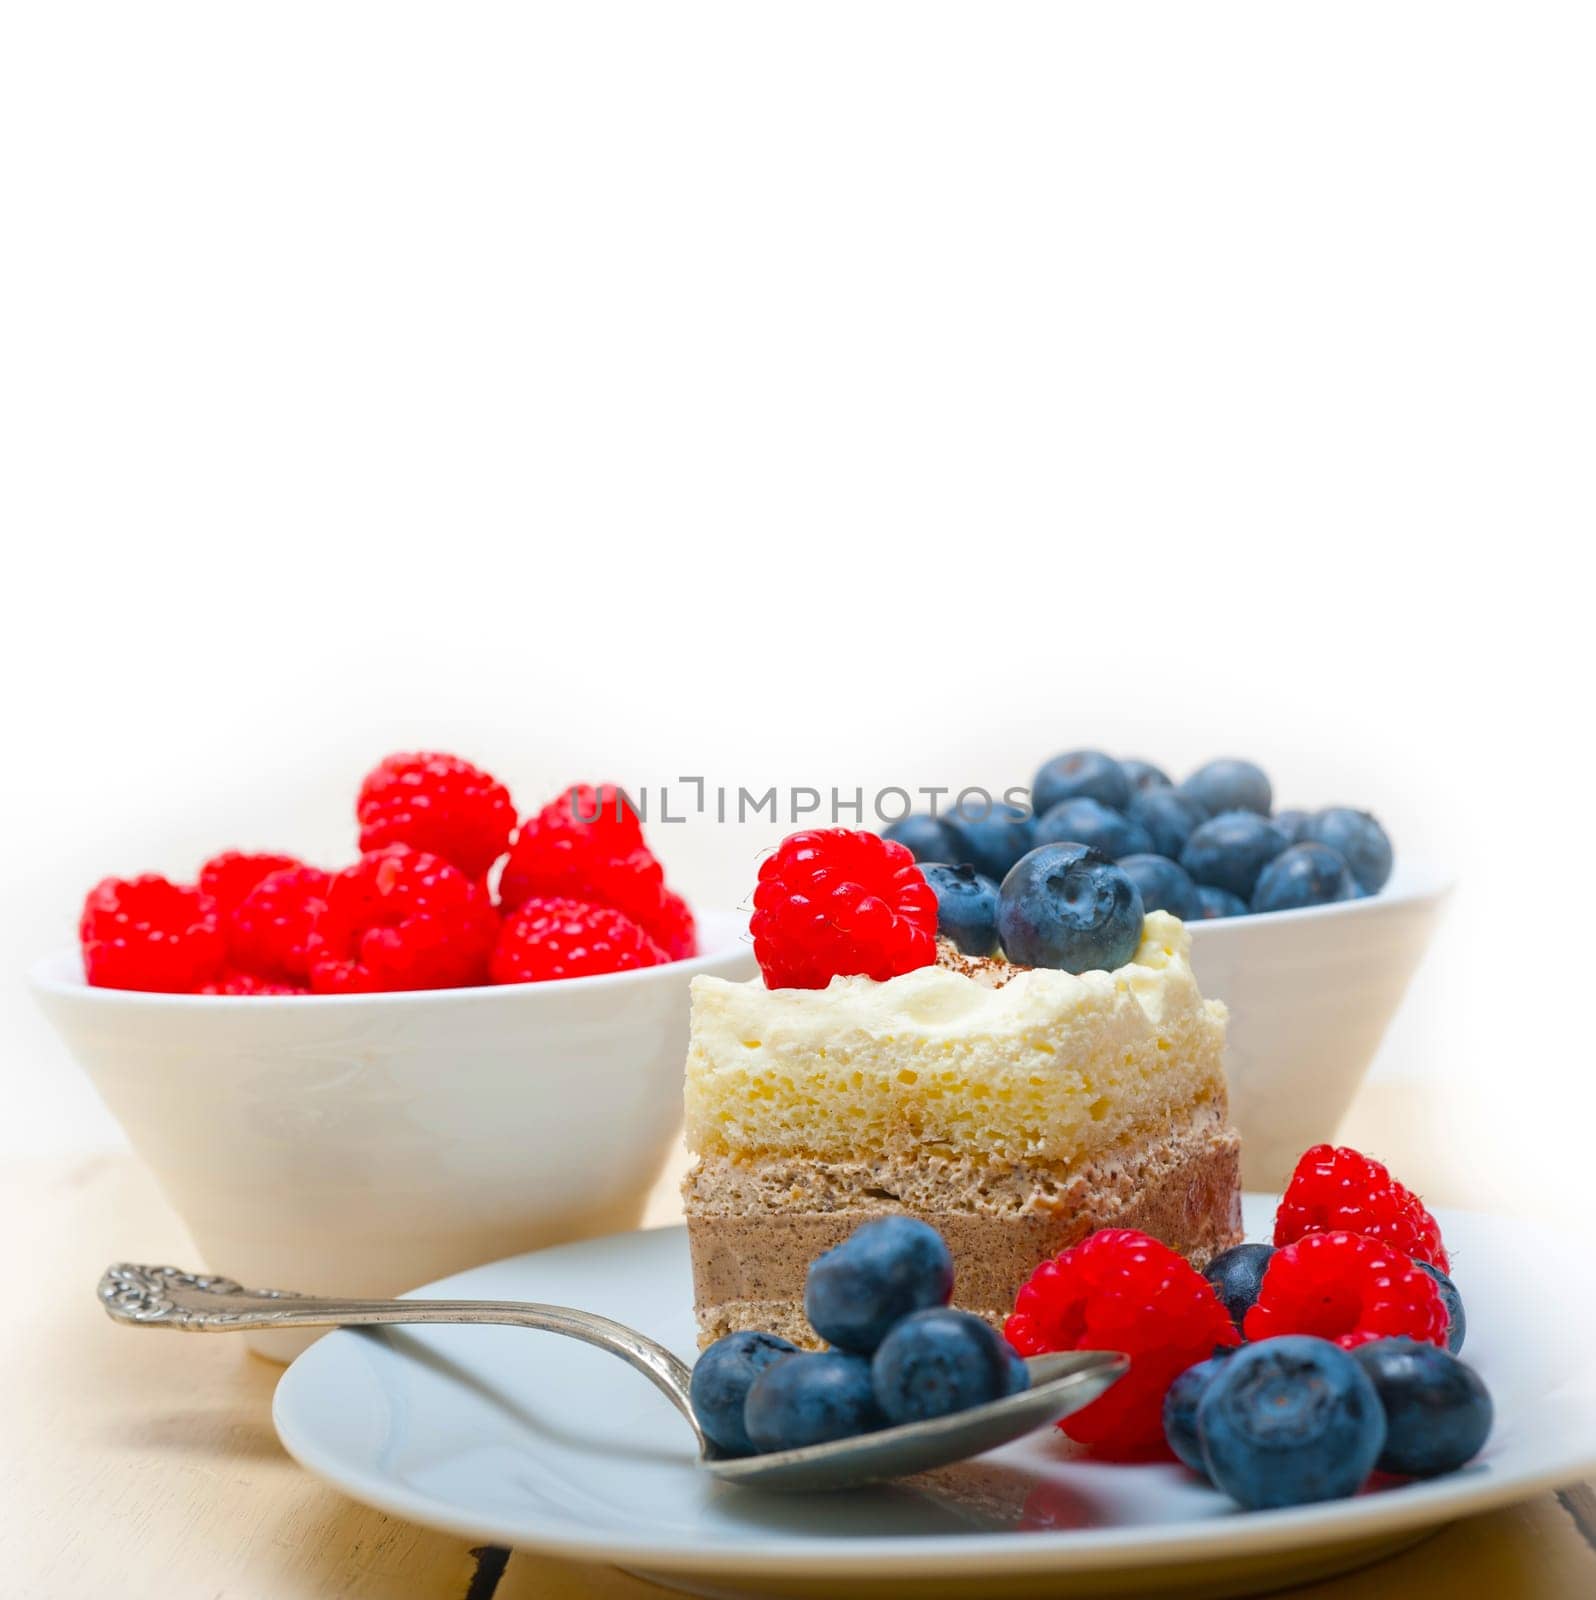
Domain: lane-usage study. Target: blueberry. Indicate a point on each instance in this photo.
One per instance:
(722, 1377)
(990, 839)
(1019, 1373)
(1457, 1324)
(925, 838)
(1144, 775)
(1180, 1410)
(1302, 875)
(1066, 906)
(1213, 903)
(1169, 817)
(1087, 772)
(1287, 1421)
(1437, 1411)
(1290, 823)
(1087, 821)
(1230, 850)
(1230, 786)
(1236, 1274)
(966, 907)
(1358, 839)
(809, 1399)
(1162, 884)
(877, 1275)
(936, 1362)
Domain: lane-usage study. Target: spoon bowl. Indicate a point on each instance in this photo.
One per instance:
(1060, 1384)
(187, 1302)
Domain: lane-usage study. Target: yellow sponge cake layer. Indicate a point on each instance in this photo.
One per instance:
(1048, 1067)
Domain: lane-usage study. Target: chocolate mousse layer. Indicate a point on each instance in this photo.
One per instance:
(754, 1225)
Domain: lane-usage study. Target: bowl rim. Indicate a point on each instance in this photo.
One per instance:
(1412, 883)
(724, 933)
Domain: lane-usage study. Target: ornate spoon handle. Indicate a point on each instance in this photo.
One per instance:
(164, 1297)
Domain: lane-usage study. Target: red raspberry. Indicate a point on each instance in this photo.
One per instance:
(833, 902)
(438, 804)
(149, 933)
(227, 878)
(674, 929)
(269, 934)
(558, 938)
(1342, 1189)
(1120, 1290)
(554, 858)
(402, 919)
(588, 845)
(233, 982)
(1347, 1288)
(605, 813)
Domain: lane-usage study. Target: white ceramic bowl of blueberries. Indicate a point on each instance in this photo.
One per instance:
(1303, 922)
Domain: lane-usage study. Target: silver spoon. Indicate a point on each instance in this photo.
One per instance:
(163, 1297)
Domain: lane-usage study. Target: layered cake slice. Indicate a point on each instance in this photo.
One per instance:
(1015, 1109)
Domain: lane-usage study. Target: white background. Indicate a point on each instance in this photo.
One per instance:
(831, 394)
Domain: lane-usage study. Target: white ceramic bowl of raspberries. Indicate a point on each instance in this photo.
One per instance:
(1303, 922)
(464, 1045)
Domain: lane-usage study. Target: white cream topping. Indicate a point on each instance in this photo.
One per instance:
(1046, 1065)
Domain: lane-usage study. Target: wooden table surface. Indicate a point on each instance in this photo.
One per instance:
(147, 1466)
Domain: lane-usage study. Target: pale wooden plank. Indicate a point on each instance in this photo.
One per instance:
(535, 1577)
(145, 1464)
(1533, 1551)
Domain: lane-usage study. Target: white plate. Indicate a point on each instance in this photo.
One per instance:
(527, 1439)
